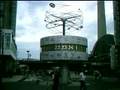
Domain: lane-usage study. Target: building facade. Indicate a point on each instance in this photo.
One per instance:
(8, 48)
(7, 28)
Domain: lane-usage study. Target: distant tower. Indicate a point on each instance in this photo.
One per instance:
(101, 19)
(116, 11)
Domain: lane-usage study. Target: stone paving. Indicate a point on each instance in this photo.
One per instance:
(13, 79)
(30, 83)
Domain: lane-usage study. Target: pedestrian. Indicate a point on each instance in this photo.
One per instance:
(55, 77)
(37, 81)
(97, 75)
(82, 81)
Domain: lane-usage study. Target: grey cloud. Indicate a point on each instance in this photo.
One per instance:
(36, 4)
(92, 6)
(23, 54)
(28, 45)
(20, 30)
(91, 31)
(22, 7)
(33, 47)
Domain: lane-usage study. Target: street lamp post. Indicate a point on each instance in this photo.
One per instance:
(28, 54)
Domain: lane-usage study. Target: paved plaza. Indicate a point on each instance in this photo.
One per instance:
(106, 83)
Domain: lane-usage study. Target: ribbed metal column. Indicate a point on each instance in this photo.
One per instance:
(101, 19)
(64, 75)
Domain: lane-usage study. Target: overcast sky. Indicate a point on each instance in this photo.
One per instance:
(30, 25)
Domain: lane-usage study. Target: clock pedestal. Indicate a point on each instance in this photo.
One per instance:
(62, 50)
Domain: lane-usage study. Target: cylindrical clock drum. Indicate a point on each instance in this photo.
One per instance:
(63, 48)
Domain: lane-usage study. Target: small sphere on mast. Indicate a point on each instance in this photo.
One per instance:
(52, 5)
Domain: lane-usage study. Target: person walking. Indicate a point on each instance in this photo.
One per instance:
(97, 75)
(55, 77)
(82, 81)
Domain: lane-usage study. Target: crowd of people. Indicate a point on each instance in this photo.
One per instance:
(82, 77)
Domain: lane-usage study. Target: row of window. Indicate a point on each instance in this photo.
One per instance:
(5, 40)
(64, 47)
